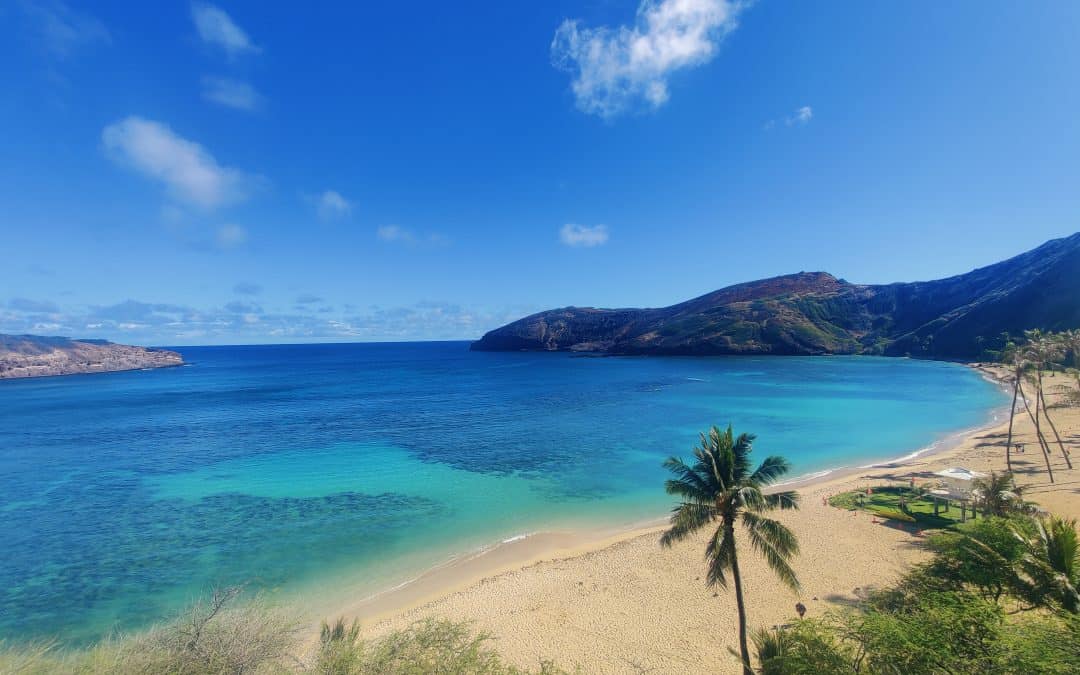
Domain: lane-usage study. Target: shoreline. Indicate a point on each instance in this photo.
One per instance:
(628, 605)
(17, 378)
(524, 551)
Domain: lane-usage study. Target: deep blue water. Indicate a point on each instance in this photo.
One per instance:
(124, 495)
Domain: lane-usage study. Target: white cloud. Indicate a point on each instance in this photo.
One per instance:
(62, 29)
(217, 28)
(401, 235)
(231, 236)
(230, 93)
(618, 69)
(802, 116)
(164, 323)
(331, 204)
(189, 172)
(583, 235)
(394, 233)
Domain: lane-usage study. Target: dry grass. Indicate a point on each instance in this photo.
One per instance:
(219, 636)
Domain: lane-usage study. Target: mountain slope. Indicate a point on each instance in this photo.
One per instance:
(816, 313)
(37, 356)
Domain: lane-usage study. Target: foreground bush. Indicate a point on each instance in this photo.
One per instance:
(220, 637)
(429, 646)
(998, 597)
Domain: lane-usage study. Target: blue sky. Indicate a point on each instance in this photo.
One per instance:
(242, 172)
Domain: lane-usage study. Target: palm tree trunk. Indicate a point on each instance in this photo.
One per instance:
(1046, 414)
(1042, 441)
(1012, 414)
(743, 649)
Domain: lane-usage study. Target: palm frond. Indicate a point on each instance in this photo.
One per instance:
(720, 553)
(686, 519)
(770, 470)
(740, 449)
(689, 483)
(789, 499)
(750, 497)
(776, 543)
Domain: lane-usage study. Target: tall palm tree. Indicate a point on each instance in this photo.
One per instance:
(1031, 354)
(1043, 350)
(720, 488)
(1052, 562)
(1015, 360)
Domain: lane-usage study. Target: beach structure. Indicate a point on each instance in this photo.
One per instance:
(957, 484)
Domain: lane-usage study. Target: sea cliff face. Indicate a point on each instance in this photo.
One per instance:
(815, 313)
(37, 356)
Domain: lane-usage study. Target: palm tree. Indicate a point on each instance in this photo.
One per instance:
(1043, 350)
(1031, 355)
(999, 496)
(720, 488)
(1071, 338)
(1017, 363)
(1052, 562)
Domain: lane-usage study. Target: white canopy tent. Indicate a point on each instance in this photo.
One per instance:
(957, 485)
(957, 482)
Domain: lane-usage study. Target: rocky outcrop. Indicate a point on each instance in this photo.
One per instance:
(816, 313)
(37, 356)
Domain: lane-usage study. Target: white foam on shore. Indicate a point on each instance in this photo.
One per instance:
(517, 537)
(815, 475)
(452, 560)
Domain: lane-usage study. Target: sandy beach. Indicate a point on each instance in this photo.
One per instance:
(617, 602)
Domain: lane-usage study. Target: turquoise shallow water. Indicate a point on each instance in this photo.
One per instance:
(353, 467)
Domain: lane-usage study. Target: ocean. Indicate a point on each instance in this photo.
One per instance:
(301, 470)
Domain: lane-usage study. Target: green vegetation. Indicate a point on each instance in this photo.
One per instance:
(902, 504)
(720, 488)
(222, 637)
(997, 496)
(999, 596)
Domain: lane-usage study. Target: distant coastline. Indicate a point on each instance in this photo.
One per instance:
(28, 356)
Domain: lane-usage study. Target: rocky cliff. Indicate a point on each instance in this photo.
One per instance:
(816, 313)
(37, 356)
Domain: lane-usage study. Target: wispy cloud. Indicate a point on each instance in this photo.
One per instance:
(62, 29)
(307, 299)
(238, 321)
(231, 236)
(401, 235)
(583, 235)
(186, 169)
(616, 70)
(217, 28)
(330, 204)
(801, 116)
(230, 93)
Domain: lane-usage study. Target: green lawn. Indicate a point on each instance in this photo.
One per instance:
(885, 503)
